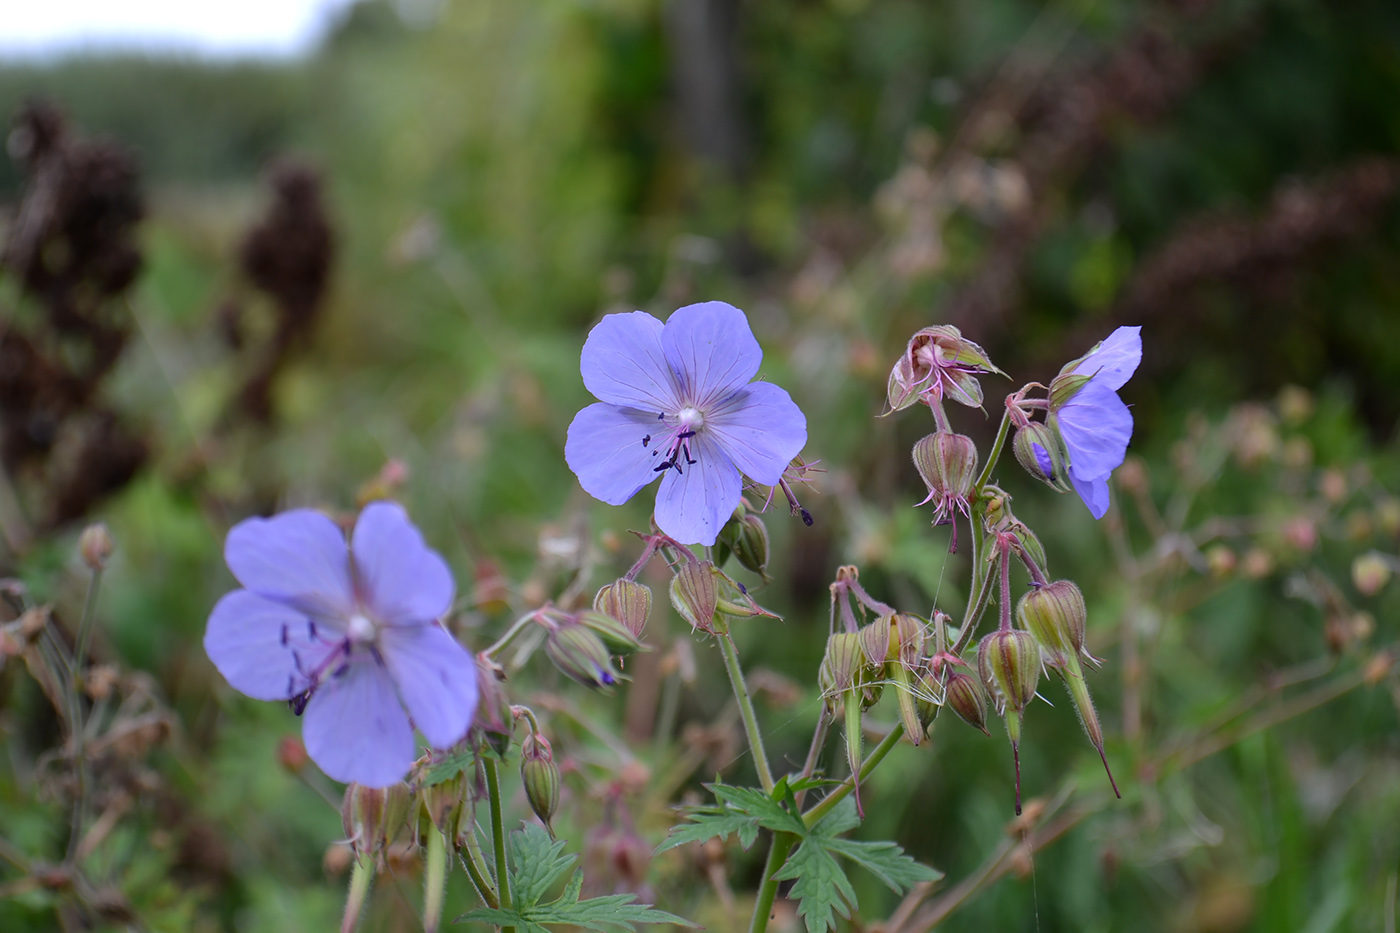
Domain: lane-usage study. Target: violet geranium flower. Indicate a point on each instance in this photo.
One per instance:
(350, 635)
(675, 402)
(1092, 420)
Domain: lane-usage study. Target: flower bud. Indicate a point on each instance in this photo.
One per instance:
(1041, 451)
(751, 545)
(948, 464)
(1370, 572)
(444, 804)
(695, 594)
(965, 696)
(841, 668)
(95, 545)
(373, 816)
(1009, 663)
(493, 718)
(627, 601)
(875, 641)
(1067, 385)
(614, 634)
(1056, 616)
(907, 639)
(540, 775)
(581, 655)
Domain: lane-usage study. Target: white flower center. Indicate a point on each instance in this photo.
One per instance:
(361, 629)
(690, 419)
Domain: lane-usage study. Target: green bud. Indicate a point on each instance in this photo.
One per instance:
(1041, 451)
(581, 656)
(875, 642)
(908, 702)
(1056, 616)
(695, 594)
(627, 601)
(373, 816)
(444, 805)
(907, 639)
(1066, 386)
(948, 464)
(540, 775)
(965, 696)
(613, 633)
(1009, 663)
(751, 545)
(841, 668)
(493, 718)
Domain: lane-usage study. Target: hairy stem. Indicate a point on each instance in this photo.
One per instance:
(777, 855)
(746, 711)
(434, 881)
(498, 836)
(872, 761)
(360, 877)
(474, 862)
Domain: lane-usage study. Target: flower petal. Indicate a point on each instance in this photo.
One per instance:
(605, 451)
(693, 506)
(623, 364)
(401, 579)
(760, 428)
(1096, 426)
(356, 730)
(1114, 361)
(436, 678)
(711, 348)
(1094, 492)
(298, 558)
(264, 649)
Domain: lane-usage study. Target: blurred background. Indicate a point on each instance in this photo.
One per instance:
(313, 256)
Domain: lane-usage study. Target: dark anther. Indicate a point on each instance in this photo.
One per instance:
(684, 435)
(646, 440)
(284, 636)
(807, 518)
(298, 702)
(743, 589)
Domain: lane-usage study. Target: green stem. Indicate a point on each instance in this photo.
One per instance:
(777, 855)
(995, 455)
(498, 836)
(360, 878)
(877, 755)
(516, 628)
(474, 861)
(434, 881)
(741, 693)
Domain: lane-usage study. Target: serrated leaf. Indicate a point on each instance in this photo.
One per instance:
(822, 887)
(842, 819)
(497, 917)
(885, 861)
(741, 811)
(536, 864)
(614, 911)
(443, 771)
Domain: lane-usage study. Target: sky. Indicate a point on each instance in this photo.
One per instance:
(31, 29)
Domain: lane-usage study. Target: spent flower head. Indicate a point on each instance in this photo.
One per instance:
(676, 402)
(939, 362)
(350, 635)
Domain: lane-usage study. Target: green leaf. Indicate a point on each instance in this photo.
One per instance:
(822, 887)
(443, 771)
(885, 861)
(536, 864)
(742, 811)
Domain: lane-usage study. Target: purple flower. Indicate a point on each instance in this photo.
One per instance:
(676, 403)
(1094, 423)
(349, 634)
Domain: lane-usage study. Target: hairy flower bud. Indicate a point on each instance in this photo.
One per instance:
(614, 633)
(444, 804)
(842, 668)
(965, 696)
(1041, 452)
(627, 601)
(948, 464)
(1056, 616)
(373, 816)
(493, 718)
(1009, 663)
(695, 594)
(751, 545)
(581, 656)
(95, 546)
(540, 775)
